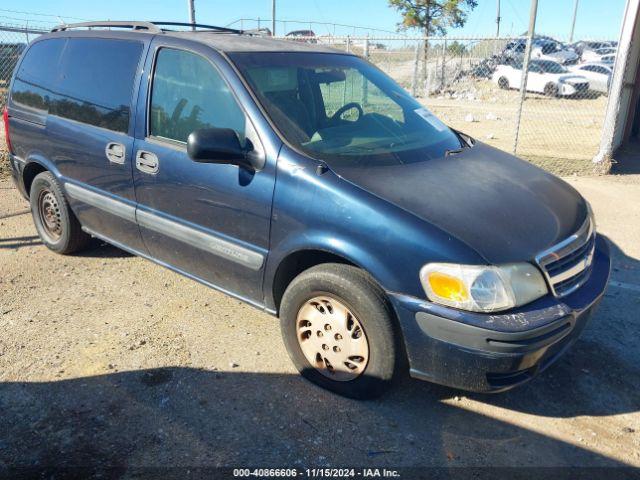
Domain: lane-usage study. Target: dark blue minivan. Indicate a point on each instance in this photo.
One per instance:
(306, 182)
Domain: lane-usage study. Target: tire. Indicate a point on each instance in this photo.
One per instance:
(503, 83)
(551, 90)
(55, 223)
(334, 286)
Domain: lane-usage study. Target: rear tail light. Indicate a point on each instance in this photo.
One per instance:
(5, 119)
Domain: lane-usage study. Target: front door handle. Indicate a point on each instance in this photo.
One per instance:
(147, 162)
(115, 152)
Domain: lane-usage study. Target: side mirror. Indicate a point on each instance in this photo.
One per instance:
(219, 145)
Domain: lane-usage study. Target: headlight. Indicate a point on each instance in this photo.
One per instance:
(482, 288)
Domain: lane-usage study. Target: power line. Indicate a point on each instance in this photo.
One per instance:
(28, 20)
(39, 14)
(307, 22)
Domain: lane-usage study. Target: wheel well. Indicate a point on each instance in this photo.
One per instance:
(295, 264)
(29, 173)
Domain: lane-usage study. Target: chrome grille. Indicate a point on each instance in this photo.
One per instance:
(567, 265)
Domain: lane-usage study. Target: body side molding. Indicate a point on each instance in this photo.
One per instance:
(178, 231)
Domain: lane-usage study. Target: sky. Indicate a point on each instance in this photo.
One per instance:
(596, 18)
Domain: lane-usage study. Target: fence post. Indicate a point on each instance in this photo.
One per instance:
(348, 44)
(414, 81)
(444, 56)
(525, 71)
(365, 82)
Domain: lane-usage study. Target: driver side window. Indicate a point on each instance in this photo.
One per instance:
(188, 93)
(355, 88)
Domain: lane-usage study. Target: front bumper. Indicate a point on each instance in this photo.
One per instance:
(496, 352)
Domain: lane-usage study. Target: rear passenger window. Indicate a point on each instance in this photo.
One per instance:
(189, 93)
(89, 80)
(97, 82)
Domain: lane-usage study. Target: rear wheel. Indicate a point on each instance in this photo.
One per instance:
(503, 83)
(55, 223)
(551, 90)
(339, 331)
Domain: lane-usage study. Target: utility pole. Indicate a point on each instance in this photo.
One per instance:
(525, 69)
(573, 22)
(273, 18)
(192, 13)
(498, 19)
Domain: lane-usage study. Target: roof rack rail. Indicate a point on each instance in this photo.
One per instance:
(146, 26)
(198, 25)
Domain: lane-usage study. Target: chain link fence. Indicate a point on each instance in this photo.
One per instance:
(13, 40)
(473, 85)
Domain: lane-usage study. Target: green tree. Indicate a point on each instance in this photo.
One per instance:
(456, 48)
(432, 17)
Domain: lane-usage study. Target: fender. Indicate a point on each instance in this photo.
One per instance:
(40, 159)
(315, 209)
(21, 166)
(315, 240)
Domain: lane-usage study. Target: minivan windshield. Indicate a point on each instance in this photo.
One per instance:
(340, 108)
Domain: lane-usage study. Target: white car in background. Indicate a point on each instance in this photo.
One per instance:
(583, 46)
(608, 59)
(544, 76)
(554, 51)
(597, 55)
(598, 74)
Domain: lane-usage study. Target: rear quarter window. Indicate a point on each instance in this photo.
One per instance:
(38, 74)
(89, 80)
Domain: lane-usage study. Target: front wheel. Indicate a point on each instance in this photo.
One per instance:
(340, 332)
(551, 90)
(503, 83)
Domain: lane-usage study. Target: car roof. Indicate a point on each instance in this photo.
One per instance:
(227, 42)
(233, 43)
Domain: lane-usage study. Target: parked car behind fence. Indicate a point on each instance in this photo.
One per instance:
(545, 76)
(598, 74)
(598, 55)
(9, 54)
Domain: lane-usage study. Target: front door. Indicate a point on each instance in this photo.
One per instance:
(209, 221)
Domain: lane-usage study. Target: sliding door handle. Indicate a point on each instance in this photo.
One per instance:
(147, 162)
(115, 152)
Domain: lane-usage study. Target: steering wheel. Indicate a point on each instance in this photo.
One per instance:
(345, 108)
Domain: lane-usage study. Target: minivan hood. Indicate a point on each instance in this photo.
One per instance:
(504, 208)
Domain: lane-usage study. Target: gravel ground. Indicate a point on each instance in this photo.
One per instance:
(109, 360)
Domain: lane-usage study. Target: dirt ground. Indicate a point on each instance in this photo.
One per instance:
(561, 135)
(109, 360)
